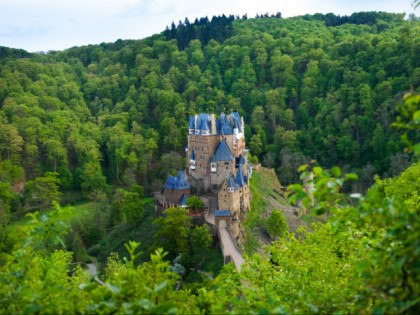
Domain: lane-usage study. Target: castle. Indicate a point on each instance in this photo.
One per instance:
(217, 166)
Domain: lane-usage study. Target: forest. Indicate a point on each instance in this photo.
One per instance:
(106, 123)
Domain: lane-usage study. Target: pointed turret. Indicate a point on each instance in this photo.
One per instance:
(179, 182)
(192, 155)
(191, 125)
(192, 160)
(240, 177)
(183, 200)
(231, 184)
(224, 126)
(202, 124)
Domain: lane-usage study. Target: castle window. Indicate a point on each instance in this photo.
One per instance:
(213, 167)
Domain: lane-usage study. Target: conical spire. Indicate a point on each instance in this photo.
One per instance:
(222, 153)
(240, 178)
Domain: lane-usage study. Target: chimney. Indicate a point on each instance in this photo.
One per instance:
(213, 130)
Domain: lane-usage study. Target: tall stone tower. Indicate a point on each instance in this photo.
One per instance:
(214, 148)
(217, 162)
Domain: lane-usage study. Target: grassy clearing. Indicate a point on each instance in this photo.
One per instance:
(79, 211)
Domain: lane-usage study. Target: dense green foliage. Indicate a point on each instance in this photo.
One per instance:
(365, 259)
(276, 224)
(97, 114)
(195, 203)
(93, 123)
(173, 230)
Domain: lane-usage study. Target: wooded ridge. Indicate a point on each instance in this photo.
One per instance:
(107, 123)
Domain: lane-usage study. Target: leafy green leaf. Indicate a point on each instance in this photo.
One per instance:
(336, 171)
(113, 288)
(161, 286)
(317, 170)
(416, 116)
(87, 287)
(302, 168)
(351, 176)
(294, 187)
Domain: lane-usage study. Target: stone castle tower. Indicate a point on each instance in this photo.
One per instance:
(217, 162)
(217, 168)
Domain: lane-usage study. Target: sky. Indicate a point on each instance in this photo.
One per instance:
(43, 25)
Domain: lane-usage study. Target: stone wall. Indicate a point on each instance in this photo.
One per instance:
(173, 196)
(204, 147)
(240, 144)
(222, 218)
(244, 199)
(228, 200)
(224, 168)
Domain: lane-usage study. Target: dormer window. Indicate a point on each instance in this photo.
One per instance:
(230, 189)
(213, 167)
(191, 131)
(205, 133)
(235, 131)
(197, 131)
(193, 164)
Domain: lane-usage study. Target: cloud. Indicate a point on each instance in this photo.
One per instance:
(44, 24)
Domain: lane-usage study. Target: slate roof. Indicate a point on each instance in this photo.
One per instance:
(240, 177)
(222, 153)
(222, 213)
(231, 183)
(183, 200)
(192, 155)
(235, 121)
(191, 122)
(224, 125)
(179, 182)
(203, 123)
(236, 116)
(240, 160)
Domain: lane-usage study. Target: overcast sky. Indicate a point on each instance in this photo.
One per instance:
(42, 25)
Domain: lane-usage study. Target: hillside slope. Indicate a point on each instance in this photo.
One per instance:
(266, 195)
(105, 114)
